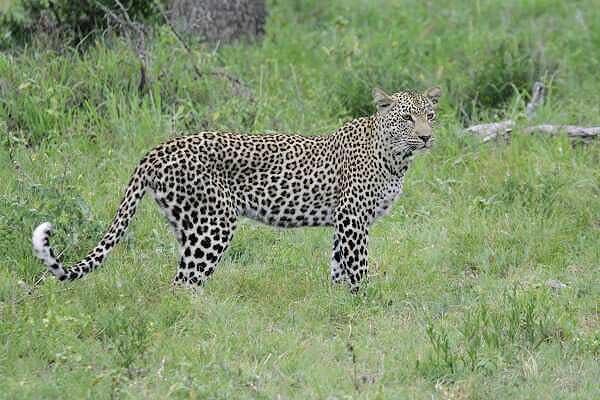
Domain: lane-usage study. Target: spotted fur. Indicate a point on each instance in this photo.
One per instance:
(205, 182)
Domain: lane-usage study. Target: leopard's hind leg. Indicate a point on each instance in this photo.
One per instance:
(203, 224)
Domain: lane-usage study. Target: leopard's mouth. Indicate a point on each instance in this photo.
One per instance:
(423, 146)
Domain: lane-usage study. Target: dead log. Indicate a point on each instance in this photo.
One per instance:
(572, 131)
(491, 131)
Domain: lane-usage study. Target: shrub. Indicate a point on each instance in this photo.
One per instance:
(492, 79)
(76, 19)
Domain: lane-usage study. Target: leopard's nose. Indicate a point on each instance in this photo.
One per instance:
(425, 138)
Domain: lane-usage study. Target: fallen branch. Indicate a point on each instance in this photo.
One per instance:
(572, 131)
(491, 131)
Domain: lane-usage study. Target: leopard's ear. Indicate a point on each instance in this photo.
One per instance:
(382, 100)
(433, 94)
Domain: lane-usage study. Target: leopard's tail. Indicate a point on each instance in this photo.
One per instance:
(116, 230)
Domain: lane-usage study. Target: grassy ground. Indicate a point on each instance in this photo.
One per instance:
(457, 305)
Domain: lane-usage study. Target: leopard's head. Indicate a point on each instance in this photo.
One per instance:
(404, 119)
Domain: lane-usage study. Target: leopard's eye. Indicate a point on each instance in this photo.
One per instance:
(407, 117)
(431, 116)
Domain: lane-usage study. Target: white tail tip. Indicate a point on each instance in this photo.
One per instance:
(40, 240)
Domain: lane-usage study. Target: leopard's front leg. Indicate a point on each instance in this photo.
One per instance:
(338, 273)
(350, 253)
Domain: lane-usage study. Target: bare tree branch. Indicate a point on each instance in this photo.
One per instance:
(127, 22)
(135, 26)
(236, 83)
(139, 30)
(537, 99)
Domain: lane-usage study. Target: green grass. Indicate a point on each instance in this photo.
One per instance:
(457, 305)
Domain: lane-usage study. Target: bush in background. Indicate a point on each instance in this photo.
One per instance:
(76, 19)
(502, 70)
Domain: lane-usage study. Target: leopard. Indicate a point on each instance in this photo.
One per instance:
(203, 183)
